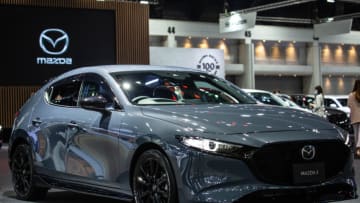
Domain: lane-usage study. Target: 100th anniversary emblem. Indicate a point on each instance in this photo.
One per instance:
(209, 64)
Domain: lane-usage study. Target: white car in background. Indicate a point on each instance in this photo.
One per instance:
(270, 98)
(338, 102)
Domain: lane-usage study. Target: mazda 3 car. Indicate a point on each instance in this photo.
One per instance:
(152, 134)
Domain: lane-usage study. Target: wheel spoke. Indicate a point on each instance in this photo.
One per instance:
(142, 181)
(26, 184)
(156, 168)
(163, 179)
(164, 194)
(152, 167)
(157, 198)
(145, 174)
(145, 194)
(21, 161)
(16, 164)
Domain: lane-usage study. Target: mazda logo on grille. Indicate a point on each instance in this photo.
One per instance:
(308, 152)
(54, 41)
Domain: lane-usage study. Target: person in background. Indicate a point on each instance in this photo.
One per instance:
(354, 105)
(318, 106)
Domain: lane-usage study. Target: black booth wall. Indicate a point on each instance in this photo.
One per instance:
(109, 32)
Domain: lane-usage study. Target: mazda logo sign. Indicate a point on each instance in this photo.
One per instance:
(54, 41)
(308, 152)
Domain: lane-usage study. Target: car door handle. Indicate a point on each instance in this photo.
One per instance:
(36, 122)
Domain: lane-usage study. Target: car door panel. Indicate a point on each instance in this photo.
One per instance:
(93, 148)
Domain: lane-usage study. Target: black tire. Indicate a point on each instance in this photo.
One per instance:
(153, 180)
(22, 175)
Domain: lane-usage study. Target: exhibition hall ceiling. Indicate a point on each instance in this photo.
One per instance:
(303, 14)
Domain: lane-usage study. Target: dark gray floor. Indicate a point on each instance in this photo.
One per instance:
(58, 196)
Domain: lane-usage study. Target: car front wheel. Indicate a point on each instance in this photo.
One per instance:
(22, 175)
(153, 179)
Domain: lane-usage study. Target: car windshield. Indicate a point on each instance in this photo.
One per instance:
(173, 87)
(343, 101)
(267, 98)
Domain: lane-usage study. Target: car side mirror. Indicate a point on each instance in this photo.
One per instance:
(97, 103)
(333, 106)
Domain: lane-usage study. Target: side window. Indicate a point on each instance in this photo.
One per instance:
(65, 93)
(95, 86)
(329, 102)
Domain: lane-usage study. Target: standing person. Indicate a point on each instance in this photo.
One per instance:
(354, 104)
(318, 106)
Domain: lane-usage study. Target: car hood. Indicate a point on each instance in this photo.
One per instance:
(255, 125)
(233, 119)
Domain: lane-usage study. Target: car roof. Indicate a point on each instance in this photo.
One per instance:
(337, 96)
(255, 90)
(126, 68)
(107, 69)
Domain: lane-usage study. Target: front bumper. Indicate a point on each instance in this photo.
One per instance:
(203, 177)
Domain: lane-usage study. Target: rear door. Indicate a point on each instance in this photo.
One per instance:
(50, 122)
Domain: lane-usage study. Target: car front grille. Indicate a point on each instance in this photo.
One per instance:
(274, 163)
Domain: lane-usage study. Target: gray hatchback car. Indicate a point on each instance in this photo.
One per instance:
(166, 134)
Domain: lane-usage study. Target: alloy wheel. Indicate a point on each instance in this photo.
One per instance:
(22, 175)
(22, 171)
(153, 180)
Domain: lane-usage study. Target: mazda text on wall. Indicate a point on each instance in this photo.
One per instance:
(167, 134)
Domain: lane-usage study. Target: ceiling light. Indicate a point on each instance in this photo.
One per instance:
(331, 1)
(152, 2)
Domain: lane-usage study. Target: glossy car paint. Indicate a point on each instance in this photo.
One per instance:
(339, 102)
(94, 152)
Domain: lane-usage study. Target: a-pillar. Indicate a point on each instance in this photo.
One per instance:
(246, 51)
(314, 59)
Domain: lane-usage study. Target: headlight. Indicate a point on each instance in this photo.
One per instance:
(217, 147)
(345, 136)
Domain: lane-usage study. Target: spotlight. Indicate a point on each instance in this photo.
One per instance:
(151, 2)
